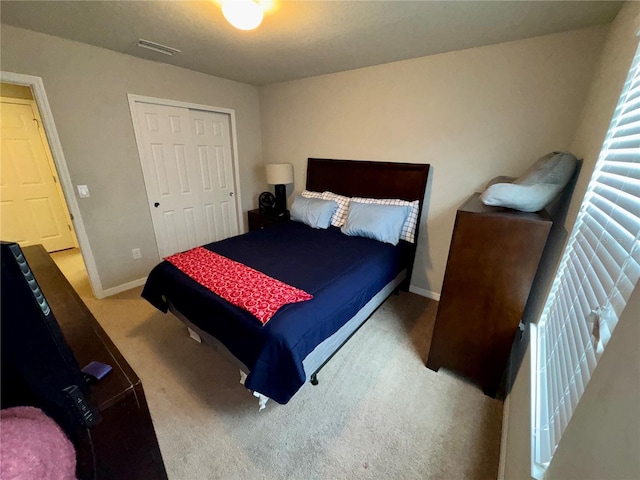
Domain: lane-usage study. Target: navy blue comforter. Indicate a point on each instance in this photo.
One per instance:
(342, 273)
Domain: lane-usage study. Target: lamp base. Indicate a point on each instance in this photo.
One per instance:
(281, 199)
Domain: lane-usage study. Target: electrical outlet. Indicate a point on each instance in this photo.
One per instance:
(83, 191)
(136, 254)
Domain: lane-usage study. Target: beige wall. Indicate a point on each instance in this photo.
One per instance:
(471, 114)
(87, 89)
(602, 440)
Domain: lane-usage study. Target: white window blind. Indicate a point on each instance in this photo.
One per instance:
(596, 275)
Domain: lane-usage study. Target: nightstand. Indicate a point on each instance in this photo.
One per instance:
(259, 220)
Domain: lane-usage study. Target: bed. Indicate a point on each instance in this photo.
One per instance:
(348, 276)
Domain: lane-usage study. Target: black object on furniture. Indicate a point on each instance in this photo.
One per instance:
(260, 219)
(123, 444)
(492, 263)
(34, 350)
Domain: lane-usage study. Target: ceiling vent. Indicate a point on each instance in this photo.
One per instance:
(157, 47)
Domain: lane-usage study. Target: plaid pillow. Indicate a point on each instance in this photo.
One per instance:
(410, 224)
(310, 194)
(340, 215)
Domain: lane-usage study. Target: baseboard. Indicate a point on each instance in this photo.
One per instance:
(121, 288)
(503, 438)
(424, 293)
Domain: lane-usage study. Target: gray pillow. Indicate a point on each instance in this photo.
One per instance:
(534, 189)
(314, 212)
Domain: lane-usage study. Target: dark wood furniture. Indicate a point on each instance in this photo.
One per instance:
(493, 258)
(259, 220)
(404, 181)
(123, 445)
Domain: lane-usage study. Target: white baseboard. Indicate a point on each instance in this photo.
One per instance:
(121, 288)
(424, 293)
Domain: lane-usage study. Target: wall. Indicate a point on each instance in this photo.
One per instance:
(87, 89)
(471, 114)
(606, 424)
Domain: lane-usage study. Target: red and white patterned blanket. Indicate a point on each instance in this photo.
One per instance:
(259, 294)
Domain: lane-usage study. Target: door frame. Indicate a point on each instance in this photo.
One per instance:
(47, 152)
(194, 106)
(55, 147)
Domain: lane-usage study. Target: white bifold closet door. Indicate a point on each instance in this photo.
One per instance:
(188, 171)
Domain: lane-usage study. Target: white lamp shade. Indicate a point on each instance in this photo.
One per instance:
(279, 173)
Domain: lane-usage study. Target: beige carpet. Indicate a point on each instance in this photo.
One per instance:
(378, 412)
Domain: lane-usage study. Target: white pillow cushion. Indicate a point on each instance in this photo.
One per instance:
(533, 190)
(340, 214)
(310, 194)
(526, 198)
(376, 221)
(410, 224)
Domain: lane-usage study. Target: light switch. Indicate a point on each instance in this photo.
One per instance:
(83, 191)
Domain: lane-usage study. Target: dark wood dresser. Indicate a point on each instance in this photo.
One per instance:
(123, 445)
(259, 220)
(493, 259)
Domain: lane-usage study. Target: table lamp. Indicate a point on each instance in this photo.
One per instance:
(279, 174)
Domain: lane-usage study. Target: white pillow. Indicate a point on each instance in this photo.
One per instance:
(310, 194)
(534, 189)
(340, 214)
(410, 224)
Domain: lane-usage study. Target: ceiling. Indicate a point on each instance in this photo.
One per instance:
(299, 39)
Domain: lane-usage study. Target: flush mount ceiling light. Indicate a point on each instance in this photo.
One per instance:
(243, 14)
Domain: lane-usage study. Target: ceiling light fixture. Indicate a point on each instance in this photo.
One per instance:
(243, 14)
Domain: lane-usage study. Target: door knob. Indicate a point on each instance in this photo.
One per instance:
(156, 204)
(231, 194)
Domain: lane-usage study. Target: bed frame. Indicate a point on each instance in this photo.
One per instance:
(351, 178)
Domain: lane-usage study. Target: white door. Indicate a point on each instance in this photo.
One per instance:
(188, 172)
(32, 208)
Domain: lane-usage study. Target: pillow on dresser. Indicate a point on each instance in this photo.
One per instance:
(410, 224)
(314, 212)
(379, 222)
(535, 188)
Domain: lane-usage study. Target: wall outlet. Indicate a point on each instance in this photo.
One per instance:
(83, 191)
(136, 254)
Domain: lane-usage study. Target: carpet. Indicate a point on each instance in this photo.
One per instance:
(377, 412)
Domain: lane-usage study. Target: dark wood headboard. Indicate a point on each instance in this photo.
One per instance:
(356, 178)
(360, 178)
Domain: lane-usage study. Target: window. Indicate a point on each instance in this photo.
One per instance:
(597, 273)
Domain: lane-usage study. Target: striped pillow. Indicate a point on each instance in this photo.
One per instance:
(410, 224)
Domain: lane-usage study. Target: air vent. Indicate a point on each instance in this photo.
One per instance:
(157, 47)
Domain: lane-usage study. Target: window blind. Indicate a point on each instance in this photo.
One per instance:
(596, 275)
